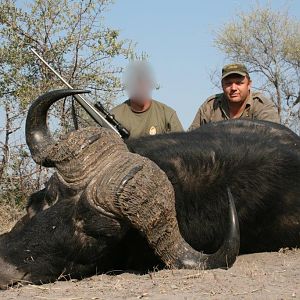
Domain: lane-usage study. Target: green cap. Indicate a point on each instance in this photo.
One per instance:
(234, 69)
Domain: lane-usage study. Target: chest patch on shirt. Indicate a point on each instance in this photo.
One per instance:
(152, 130)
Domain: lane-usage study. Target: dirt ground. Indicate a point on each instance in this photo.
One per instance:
(256, 276)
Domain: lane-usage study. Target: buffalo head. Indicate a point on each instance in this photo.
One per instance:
(99, 192)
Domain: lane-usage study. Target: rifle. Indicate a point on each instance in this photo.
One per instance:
(98, 113)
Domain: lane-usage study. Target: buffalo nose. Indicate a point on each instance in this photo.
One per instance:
(9, 274)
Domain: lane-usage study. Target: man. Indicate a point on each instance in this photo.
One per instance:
(236, 101)
(140, 114)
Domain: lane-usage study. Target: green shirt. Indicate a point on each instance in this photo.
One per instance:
(158, 118)
(216, 108)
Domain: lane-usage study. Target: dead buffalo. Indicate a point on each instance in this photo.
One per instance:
(164, 202)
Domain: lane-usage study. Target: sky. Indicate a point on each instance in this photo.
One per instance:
(178, 38)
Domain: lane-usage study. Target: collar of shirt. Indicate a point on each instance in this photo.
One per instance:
(223, 104)
(139, 112)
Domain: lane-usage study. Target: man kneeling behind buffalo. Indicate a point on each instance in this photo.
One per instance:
(236, 101)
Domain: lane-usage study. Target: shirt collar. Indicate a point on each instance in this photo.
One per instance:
(223, 103)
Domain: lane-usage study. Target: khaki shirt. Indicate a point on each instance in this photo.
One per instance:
(158, 118)
(216, 108)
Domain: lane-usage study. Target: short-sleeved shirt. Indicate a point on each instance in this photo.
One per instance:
(158, 118)
(216, 108)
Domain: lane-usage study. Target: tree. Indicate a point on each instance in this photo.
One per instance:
(268, 42)
(72, 37)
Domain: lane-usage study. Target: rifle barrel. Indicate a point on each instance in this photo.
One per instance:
(87, 106)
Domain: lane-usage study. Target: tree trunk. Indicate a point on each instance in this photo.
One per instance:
(279, 98)
(5, 147)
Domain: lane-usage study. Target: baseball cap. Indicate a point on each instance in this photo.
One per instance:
(234, 69)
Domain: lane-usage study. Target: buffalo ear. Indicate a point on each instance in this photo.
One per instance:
(37, 202)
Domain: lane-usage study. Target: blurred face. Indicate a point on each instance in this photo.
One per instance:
(139, 81)
(236, 87)
(140, 90)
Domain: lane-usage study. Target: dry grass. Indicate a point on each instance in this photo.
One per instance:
(8, 216)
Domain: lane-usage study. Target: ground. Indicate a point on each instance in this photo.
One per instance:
(273, 275)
